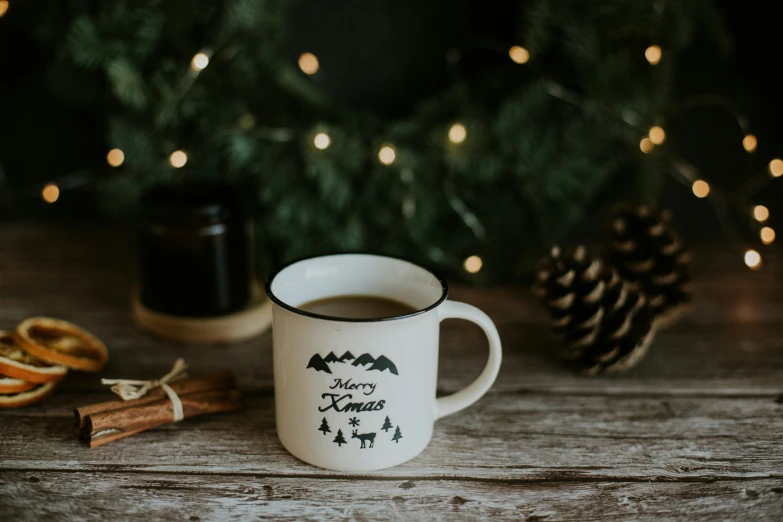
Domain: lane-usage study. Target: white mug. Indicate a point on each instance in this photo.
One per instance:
(359, 394)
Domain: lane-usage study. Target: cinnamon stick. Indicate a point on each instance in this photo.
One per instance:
(111, 425)
(219, 380)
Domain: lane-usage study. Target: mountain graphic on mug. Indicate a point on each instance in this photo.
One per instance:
(382, 363)
(347, 356)
(363, 359)
(318, 364)
(331, 358)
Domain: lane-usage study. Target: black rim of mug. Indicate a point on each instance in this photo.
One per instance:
(444, 294)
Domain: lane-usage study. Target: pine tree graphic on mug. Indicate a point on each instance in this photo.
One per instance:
(387, 425)
(324, 427)
(397, 435)
(339, 439)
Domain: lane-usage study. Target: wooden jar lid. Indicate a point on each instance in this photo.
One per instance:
(239, 326)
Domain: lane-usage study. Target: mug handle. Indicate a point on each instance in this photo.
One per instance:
(467, 396)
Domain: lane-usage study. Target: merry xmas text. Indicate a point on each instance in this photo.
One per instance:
(338, 402)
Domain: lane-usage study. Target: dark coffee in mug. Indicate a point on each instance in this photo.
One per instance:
(357, 307)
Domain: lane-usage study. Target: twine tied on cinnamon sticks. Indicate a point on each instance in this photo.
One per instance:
(150, 404)
(129, 390)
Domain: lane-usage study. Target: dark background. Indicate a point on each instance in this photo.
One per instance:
(34, 148)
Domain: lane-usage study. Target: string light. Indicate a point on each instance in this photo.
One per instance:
(308, 62)
(653, 54)
(752, 259)
(3, 7)
(657, 135)
(457, 133)
(115, 157)
(387, 155)
(646, 145)
(178, 159)
(50, 193)
(519, 54)
(473, 264)
(776, 168)
(761, 213)
(199, 62)
(749, 143)
(322, 141)
(700, 188)
(767, 235)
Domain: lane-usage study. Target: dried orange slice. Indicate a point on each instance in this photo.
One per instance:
(60, 342)
(16, 400)
(11, 385)
(20, 365)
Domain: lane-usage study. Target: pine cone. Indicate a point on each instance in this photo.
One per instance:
(605, 323)
(648, 253)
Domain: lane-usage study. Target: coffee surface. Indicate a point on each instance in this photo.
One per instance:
(357, 307)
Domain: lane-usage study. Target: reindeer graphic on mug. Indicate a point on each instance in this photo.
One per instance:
(364, 437)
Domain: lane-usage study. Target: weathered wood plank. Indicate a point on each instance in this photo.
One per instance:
(155, 496)
(509, 436)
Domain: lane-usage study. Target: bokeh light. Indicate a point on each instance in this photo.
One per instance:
(767, 235)
(322, 141)
(776, 168)
(178, 159)
(50, 193)
(701, 188)
(387, 155)
(473, 264)
(749, 143)
(199, 62)
(752, 259)
(519, 54)
(653, 54)
(308, 62)
(457, 133)
(115, 157)
(761, 213)
(657, 135)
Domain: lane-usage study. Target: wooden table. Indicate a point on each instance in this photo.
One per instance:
(694, 433)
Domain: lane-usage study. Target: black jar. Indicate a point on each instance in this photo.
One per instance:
(195, 250)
